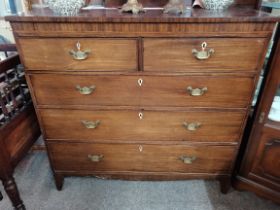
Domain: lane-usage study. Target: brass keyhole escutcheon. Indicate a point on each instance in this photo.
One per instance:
(140, 148)
(141, 115)
(140, 82)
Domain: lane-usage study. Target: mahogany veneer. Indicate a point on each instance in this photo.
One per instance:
(154, 158)
(176, 55)
(125, 125)
(108, 55)
(160, 91)
(150, 109)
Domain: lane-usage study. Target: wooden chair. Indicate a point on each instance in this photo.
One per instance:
(18, 123)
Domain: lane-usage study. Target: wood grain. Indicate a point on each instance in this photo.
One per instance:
(268, 164)
(223, 92)
(155, 126)
(110, 90)
(176, 54)
(157, 48)
(259, 159)
(176, 29)
(105, 55)
(25, 132)
(153, 158)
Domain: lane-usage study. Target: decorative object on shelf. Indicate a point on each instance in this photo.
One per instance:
(132, 6)
(94, 2)
(38, 4)
(213, 4)
(65, 7)
(26, 5)
(175, 7)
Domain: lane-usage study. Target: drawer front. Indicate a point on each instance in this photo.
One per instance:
(187, 91)
(95, 54)
(50, 89)
(197, 91)
(179, 54)
(145, 125)
(133, 157)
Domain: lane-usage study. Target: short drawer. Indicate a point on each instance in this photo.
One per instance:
(176, 91)
(51, 89)
(127, 125)
(182, 55)
(135, 157)
(94, 55)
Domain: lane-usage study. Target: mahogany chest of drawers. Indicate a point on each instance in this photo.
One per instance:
(148, 96)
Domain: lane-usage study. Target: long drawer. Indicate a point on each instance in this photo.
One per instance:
(85, 54)
(131, 125)
(133, 157)
(220, 54)
(176, 91)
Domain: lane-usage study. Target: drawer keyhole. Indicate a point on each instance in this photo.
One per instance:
(140, 148)
(141, 115)
(140, 82)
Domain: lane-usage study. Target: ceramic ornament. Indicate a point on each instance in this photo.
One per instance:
(213, 4)
(175, 6)
(65, 7)
(132, 6)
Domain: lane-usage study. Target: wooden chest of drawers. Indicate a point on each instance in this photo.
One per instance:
(151, 96)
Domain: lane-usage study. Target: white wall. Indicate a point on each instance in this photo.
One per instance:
(6, 31)
(3, 6)
(276, 11)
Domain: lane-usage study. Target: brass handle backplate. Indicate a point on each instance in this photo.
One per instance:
(95, 158)
(197, 91)
(85, 90)
(187, 159)
(90, 124)
(192, 126)
(79, 54)
(203, 54)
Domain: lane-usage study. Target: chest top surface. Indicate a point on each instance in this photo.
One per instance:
(234, 14)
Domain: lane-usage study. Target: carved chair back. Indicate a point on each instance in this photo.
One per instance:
(14, 93)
